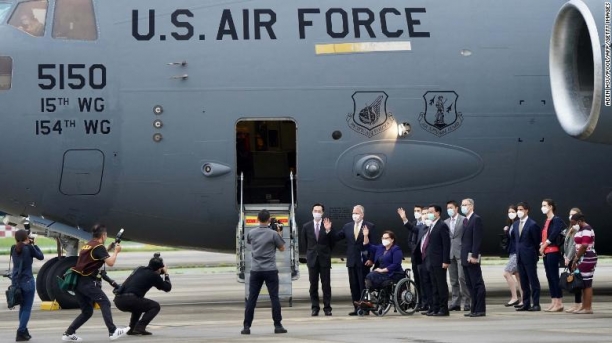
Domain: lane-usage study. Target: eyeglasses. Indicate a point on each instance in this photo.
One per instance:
(385, 237)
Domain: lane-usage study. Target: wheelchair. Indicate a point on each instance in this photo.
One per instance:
(402, 295)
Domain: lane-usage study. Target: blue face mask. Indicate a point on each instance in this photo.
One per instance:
(430, 216)
(450, 212)
(464, 209)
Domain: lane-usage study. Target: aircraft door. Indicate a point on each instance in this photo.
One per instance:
(266, 154)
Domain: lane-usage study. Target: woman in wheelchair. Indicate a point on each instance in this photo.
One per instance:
(387, 264)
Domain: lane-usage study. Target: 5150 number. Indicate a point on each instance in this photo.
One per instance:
(75, 76)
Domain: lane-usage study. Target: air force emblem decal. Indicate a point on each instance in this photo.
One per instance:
(370, 116)
(440, 116)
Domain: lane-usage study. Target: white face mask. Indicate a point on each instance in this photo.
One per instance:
(356, 217)
(317, 215)
(576, 227)
(511, 215)
(464, 210)
(545, 209)
(520, 214)
(386, 242)
(417, 215)
(450, 212)
(428, 222)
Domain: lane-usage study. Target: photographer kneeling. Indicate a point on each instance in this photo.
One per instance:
(130, 296)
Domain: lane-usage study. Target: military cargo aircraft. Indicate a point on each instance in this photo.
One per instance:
(179, 120)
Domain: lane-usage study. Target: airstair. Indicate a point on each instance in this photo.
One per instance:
(287, 262)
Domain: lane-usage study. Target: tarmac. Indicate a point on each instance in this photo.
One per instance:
(206, 304)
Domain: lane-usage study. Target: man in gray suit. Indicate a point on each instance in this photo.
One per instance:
(455, 271)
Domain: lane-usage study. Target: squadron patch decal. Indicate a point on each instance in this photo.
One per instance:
(440, 116)
(370, 116)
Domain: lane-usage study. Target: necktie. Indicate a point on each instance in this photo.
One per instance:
(356, 231)
(425, 243)
(317, 231)
(521, 224)
(453, 226)
(465, 222)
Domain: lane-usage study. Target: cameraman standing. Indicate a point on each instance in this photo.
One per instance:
(130, 296)
(264, 243)
(92, 256)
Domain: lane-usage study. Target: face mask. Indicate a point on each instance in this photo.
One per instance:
(386, 242)
(576, 227)
(356, 217)
(431, 216)
(417, 215)
(464, 210)
(450, 212)
(317, 215)
(545, 210)
(428, 222)
(520, 214)
(511, 215)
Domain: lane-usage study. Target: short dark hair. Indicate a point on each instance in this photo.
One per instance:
(452, 202)
(523, 204)
(390, 234)
(437, 208)
(418, 206)
(317, 204)
(551, 203)
(263, 216)
(578, 217)
(98, 230)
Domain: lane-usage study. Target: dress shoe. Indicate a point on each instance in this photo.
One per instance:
(431, 313)
(354, 313)
(315, 313)
(512, 303)
(246, 330)
(422, 308)
(467, 308)
(280, 329)
(535, 308)
(327, 312)
(468, 314)
(523, 308)
(140, 331)
(455, 308)
(519, 305)
(444, 313)
(428, 313)
(478, 314)
(367, 304)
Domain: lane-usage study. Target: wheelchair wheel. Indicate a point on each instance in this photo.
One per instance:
(383, 303)
(360, 312)
(406, 296)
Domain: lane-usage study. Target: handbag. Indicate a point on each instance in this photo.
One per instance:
(69, 282)
(571, 281)
(14, 295)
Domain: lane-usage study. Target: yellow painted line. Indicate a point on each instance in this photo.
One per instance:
(352, 48)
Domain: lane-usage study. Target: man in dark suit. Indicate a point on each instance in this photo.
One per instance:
(471, 243)
(416, 231)
(527, 248)
(317, 236)
(356, 255)
(435, 249)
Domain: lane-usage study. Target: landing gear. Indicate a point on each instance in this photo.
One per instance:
(41, 279)
(66, 300)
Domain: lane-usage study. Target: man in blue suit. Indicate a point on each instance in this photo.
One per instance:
(471, 243)
(356, 255)
(527, 248)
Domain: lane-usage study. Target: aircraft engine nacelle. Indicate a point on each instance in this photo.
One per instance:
(580, 70)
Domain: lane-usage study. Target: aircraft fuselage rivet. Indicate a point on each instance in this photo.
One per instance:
(158, 124)
(158, 109)
(157, 137)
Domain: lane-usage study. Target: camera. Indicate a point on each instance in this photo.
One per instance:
(7, 274)
(275, 225)
(117, 240)
(104, 276)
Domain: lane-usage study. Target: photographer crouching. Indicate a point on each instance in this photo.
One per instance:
(130, 295)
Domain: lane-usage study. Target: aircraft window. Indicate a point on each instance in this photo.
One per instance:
(6, 72)
(4, 10)
(74, 20)
(29, 16)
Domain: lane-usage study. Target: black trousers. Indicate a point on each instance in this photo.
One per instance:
(356, 282)
(256, 281)
(439, 292)
(529, 283)
(137, 306)
(426, 286)
(87, 292)
(324, 274)
(476, 286)
(416, 276)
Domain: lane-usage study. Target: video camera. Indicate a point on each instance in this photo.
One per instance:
(117, 240)
(104, 276)
(275, 225)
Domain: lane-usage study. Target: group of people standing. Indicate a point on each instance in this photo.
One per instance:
(571, 246)
(436, 246)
